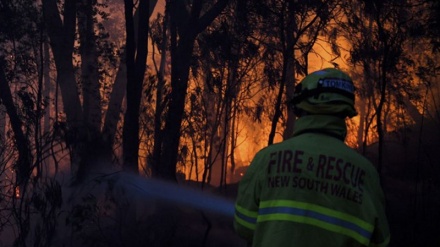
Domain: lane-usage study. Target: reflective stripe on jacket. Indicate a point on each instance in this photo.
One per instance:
(311, 190)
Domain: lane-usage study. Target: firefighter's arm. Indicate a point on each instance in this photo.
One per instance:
(381, 233)
(246, 206)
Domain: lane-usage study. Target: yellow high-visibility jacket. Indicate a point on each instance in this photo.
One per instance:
(311, 190)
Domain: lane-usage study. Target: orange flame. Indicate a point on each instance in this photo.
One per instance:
(17, 192)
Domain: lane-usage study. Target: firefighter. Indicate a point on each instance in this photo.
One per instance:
(312, 189)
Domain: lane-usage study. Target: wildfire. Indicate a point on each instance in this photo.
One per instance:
(17, 192)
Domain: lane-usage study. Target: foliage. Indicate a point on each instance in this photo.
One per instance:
(225, 71)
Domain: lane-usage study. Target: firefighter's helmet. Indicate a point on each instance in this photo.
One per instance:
(328, 91)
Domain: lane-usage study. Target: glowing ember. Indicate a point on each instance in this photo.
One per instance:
(17, 192)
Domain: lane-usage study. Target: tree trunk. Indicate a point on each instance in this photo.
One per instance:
(187, 26)
(24, 162)
(136, 65)
(89, 68)
(48, 87)
(379, 123)
(114, 110)
(62, 36)
(290, 69)
(160, 104)
(286, 51)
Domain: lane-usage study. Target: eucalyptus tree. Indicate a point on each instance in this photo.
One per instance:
(20, 58)
(187, 21)
(22, 142)
(223, 75)
(425, 32)
(21, 77)
(433, 24)
(377, 32)
(136, 57)
(248, 40)
(82, 101)
(291, 29)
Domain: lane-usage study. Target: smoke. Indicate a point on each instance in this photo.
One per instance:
(148, 188)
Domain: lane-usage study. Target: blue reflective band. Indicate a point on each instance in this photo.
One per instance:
(317, 216)
(246, 218)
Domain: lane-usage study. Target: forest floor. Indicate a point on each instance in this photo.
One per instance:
(413, 210)
(106, 220)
